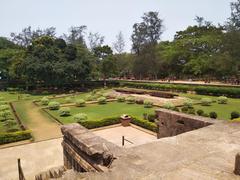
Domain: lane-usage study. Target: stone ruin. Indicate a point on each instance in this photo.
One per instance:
(172, 123)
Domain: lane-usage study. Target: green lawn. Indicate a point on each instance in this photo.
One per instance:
(223, 110)
(14, 96)
(98, 112)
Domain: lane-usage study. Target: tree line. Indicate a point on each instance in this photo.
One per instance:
(201, 51)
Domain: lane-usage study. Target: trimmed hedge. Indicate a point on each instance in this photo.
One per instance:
(15, 136)
(100, 123)
(145, 124)
(203, 90)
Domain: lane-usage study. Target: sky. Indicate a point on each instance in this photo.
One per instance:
(107, 17)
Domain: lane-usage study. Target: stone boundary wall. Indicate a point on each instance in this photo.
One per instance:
(172, 123)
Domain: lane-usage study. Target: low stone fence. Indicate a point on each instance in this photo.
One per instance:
(172, 123)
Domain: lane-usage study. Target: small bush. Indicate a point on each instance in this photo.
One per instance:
(205, 115)
(235, 115)
(80, 103)
(54, 105)
(148, 104)
(80, 117)
(44, 101)
(4, 115)
(206, 101)
(64, 111)
(3, 102)
(213, 115)
(121, 99)
(151, 117)
(100, 123)
(145, 116)
(102, 100)
(200, 112)
(222, 100)
(89, 98)
(4, 107)
(168, 105)
(130, 100)
(188, 103)
(139, 101)
(191, 111)
(69, 100)
(175, 109)
(184, 109)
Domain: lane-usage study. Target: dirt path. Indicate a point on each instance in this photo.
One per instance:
(42, 127)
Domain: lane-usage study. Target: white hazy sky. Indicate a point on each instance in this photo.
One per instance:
(107, 17)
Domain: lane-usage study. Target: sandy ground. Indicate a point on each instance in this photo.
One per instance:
(35, 158)
(137, 137)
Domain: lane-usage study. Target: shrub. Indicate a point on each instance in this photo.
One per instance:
(191, 111)
(64, 111)
(4, 107)
(99, 94)
(213, 115)
(168, 105)
(54, 105)
(175, 109)
(3, 102)
(206, 101)
(188, 103)
(69, 100)
(235, 115)
(200, 112)
(222, 100)
(121, 99)
(106, 95)
(80, 117)
(4, 115)
(89, 98)
(2, 98)
(130, 100)
(10, 123)
(145, 116)
(139, 101)
(205, 115)
(80, 103)
(44, 101)
(151, 117)
(45, 92)
(15, 136)
(148, 104)
(102, 100)
(145, 124)
(100, 123)
(184, 109)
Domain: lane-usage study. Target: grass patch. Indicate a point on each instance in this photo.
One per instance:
(98, 112)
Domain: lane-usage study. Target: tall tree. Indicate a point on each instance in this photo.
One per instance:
(119, 44)
(95, 40)
(76, 35)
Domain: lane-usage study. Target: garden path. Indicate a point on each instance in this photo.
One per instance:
(42, 127)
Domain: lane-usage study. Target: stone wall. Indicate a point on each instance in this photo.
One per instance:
(83, 151)
(172, 123)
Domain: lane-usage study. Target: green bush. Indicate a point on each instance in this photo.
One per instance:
(206, 101)
(191, 111)
(102, 100)
(4, 107)
(222, 100)
(235, 115)
(100, 123)
(151, 117)
(89, 98)
(168, 105)
(139, 101)
(64, 111)
(121, 99)
(184, 109)
(54, 105)
(80, 103)
(205, 115)
(44, 101)
(2, 98)
(145, 124)
(130, 100)
(213, 115)
(69, 100)
(4, 115)
(188, 103)
(80, 117)
(175, 109)
(200, 112)
(3, 103)
(148, 104)
(15, 136)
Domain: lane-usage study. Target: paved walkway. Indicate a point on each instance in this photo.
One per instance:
(35, 158)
